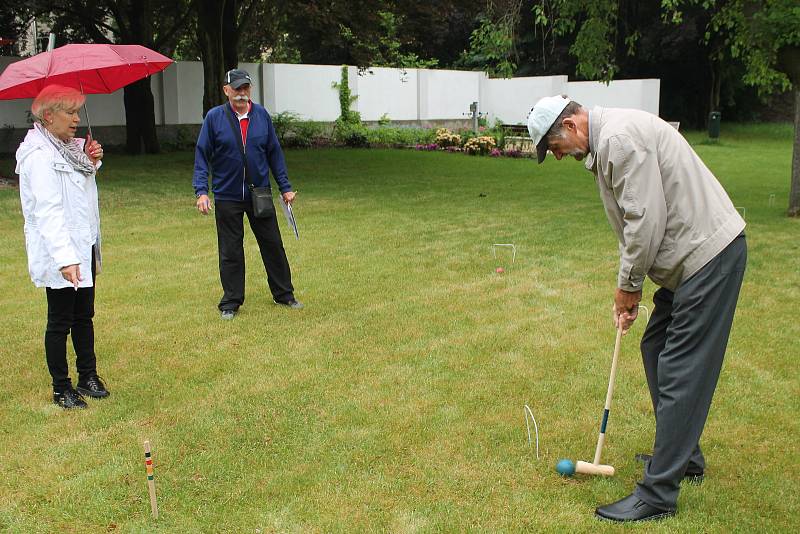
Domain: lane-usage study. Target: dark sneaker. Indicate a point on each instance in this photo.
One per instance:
(227, 315)
(294, 304)
(93, 387)
(69, 399)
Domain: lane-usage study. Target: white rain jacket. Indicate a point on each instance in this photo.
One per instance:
(62, 218)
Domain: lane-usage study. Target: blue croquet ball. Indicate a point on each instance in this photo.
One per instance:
(565, 468)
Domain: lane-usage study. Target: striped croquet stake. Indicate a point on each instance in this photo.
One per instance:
(151, 483)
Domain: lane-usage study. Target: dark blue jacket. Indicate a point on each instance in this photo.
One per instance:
(217, 153)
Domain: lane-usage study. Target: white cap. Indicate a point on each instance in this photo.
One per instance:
(542, 117)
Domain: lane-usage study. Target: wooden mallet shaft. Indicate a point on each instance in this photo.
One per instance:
(596, 468)
(151, 483)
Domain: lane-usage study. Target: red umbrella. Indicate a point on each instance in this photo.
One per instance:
(90, 68)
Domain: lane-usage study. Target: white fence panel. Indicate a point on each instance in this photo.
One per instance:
(447, 94)
(637, 94)
(390, 92)
(304, 89)
(402, 95)
(511, 99)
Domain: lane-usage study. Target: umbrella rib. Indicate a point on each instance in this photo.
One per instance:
(100, 76)
(125, 60)
(49, 63)
(122, 58)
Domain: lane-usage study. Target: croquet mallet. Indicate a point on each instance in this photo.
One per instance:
(596, 468)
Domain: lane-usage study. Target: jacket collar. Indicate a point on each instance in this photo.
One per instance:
(34, 140)
(595, 119)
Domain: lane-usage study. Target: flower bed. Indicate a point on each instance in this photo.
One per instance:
(468, 142)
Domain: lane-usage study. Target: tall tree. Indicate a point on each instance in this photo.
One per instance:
(220, 25)
(763, 34)
(151, 23)
(209, 40)
(14, 20)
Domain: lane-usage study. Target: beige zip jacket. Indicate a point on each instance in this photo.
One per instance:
(669, 212)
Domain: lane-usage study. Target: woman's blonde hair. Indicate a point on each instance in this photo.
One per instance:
(55, 98)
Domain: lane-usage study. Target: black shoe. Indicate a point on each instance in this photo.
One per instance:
(69, 399)
(693, 474)
(294, 304)
(93, 387)
(227, 315)
(631, 508)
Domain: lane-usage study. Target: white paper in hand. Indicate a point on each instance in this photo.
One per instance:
(287, 211)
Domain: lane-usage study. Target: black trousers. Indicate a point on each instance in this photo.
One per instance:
(682, 349)
(229, 216)
(70, 312)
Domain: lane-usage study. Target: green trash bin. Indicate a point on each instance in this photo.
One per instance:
(714, 119)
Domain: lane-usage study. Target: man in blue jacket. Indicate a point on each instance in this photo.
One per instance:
(233, 135)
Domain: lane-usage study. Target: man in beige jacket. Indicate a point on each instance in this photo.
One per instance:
(676, 225)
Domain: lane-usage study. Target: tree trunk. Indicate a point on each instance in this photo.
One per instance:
(794, 192)
(140, 118)
(230, 35)
(716, 85)
(789, 60)
(209, 22)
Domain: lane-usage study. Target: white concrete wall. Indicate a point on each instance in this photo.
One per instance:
(304, 89)
(413, 94)
(637, 94)
(447, 94)
(511, 99)
(392, 92)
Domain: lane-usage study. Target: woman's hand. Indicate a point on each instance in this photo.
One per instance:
(72, 274)
(93, 149)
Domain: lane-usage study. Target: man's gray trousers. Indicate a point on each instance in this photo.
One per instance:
(682, 350)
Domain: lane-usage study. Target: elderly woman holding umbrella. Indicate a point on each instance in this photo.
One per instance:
(62, 235)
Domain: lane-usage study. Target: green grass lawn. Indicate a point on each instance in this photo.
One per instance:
(394, 400)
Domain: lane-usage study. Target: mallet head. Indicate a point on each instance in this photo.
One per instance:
(585, 468)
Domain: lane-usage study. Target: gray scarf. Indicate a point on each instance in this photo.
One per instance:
(71, 151)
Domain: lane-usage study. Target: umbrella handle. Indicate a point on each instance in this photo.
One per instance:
(86, 110)
(88, 121)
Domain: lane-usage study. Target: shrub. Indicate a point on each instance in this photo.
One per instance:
(428, 146)
(351, 133)
(513, 153)
(282, 122)
(445, 138)
(480, 145)
(295, 133)
(399, 137)
(304, 134)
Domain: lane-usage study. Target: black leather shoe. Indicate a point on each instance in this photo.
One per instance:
(69, 399)
(631, 508)
(693, 474)
(93, 387)
(294, 304)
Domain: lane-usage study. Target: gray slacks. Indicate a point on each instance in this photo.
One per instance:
(682, 350)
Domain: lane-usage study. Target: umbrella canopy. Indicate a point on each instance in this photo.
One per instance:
(90, 68)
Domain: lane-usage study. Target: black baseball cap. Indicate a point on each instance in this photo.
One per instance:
(237, 78)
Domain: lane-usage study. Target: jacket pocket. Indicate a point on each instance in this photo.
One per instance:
(81, 238)
(40, 265)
